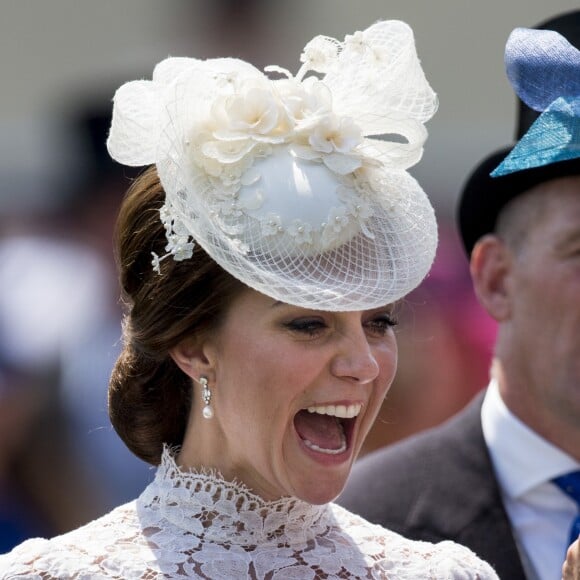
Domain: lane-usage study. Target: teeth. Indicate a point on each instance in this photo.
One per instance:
(341, 411)
(341, 449)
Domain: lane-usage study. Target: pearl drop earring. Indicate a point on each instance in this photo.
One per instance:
(206, 394)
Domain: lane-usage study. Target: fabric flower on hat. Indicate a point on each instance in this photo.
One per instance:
(255, 112)
(320, 54)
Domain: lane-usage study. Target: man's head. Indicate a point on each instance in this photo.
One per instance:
(526, 275)
(522, 233)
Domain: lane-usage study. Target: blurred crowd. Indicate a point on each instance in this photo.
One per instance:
(59, 337)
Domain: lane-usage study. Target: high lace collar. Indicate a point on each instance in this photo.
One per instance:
(205, 504)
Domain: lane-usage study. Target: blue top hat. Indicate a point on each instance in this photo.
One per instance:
(544, 68)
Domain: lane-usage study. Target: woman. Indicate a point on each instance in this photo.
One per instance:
(259, 342)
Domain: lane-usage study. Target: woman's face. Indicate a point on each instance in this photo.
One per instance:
(294, 394)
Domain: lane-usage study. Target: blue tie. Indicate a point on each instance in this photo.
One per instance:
(570, 485)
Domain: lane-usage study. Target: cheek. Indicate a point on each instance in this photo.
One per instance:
(387, 361)
(256, 375)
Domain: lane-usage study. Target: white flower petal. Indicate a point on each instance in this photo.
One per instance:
(320, 54)
(250, 177)
(341, 164)
(227, 151)
(304, 151)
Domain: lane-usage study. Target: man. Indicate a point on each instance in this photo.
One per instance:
(484, 479)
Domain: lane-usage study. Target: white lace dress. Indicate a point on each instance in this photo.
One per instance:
(192, 525)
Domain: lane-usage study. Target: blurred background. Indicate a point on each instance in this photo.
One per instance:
(61, 61)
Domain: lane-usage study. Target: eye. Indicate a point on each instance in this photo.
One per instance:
(306, 326)
(381, 324)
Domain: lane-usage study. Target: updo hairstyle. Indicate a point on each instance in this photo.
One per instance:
(149, 396)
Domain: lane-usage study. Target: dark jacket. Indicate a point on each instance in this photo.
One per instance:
(439, 485)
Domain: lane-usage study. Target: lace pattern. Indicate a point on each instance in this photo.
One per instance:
(207, 506)
(196, 525)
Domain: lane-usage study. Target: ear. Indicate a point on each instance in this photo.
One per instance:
(491, 266)
(193, 358)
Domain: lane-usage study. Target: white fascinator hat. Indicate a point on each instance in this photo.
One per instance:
(297, 185)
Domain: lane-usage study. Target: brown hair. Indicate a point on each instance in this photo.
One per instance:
(149, 396)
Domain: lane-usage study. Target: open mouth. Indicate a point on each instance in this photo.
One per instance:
(327, 428)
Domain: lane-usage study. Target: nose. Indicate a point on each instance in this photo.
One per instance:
(355, 359)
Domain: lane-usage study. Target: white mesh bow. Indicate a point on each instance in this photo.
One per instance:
(283, 181)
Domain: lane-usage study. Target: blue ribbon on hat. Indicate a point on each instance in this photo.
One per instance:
(544, 70)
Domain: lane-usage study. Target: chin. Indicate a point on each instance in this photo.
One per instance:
(318, 492)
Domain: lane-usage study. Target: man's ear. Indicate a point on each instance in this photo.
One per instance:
(491, 267)
(193, 358)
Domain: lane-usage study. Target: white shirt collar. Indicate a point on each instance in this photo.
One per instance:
(522, 459)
